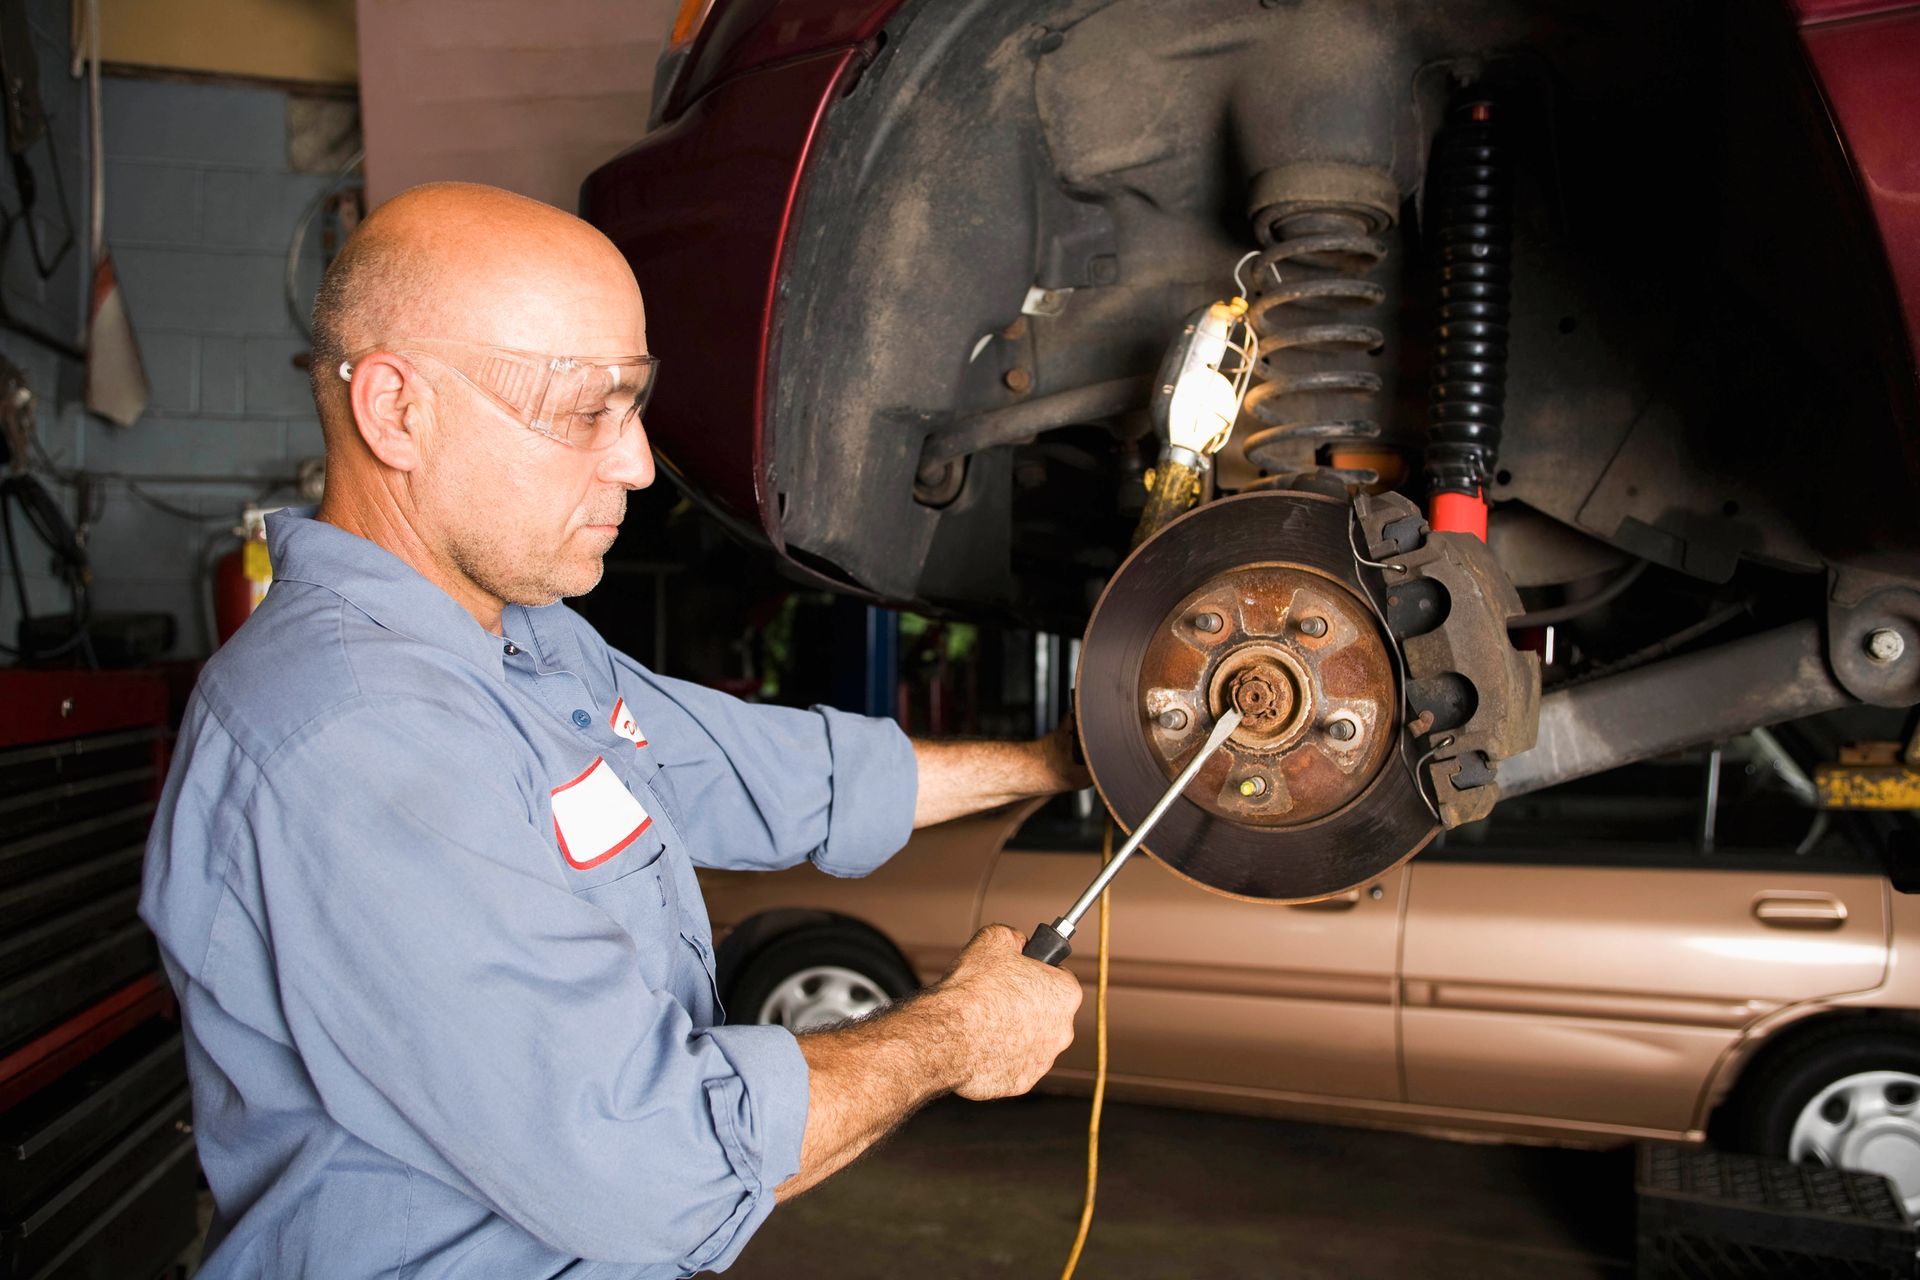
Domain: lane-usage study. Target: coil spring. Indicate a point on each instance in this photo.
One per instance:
(1312, 394)
(1470, 198)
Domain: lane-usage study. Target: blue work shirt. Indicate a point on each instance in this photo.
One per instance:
(427, 897)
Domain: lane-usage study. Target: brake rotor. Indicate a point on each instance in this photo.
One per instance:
(1256, 602)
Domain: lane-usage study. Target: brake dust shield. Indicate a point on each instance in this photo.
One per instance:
(1253, 601)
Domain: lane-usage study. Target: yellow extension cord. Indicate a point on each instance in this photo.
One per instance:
(1099, 1070)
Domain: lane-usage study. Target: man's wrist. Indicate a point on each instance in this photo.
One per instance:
(1057, 765)
(921, 1039)
(937, 1025)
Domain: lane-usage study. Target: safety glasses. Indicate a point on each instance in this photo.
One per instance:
(584, 402)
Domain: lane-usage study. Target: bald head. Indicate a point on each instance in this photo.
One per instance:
(474, 263)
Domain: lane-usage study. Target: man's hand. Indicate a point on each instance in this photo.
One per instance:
(989, 1029)
(1064, 759)
(1015, 1015)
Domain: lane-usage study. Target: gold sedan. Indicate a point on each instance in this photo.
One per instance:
(1679, 945)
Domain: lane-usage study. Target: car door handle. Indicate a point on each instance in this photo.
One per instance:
(1797, 911)
(1338, 902)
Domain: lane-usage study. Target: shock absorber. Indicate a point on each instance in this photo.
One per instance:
(1319, 226)
(1470, 202)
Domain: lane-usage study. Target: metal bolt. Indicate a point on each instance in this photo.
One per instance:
(1207, 622)
(66, 707)
(1315, 627)
(1253, 787)
(1173, 719)
(1884, 644)
(1342, 730)
(1376, 893)
(1019, 381)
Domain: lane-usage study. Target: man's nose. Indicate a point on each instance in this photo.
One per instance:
(630, 462)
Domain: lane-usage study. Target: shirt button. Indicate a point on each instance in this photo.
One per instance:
(512, 649)
(582, 719)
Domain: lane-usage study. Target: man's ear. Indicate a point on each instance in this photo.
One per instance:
(391, 407)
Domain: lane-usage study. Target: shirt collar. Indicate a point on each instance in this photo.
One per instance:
(379, 584)
(555, 645)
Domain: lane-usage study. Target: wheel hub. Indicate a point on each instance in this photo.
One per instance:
(1300, 657)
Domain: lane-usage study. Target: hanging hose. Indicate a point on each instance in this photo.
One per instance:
(1470, 202)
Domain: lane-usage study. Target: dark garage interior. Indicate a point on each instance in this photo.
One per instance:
(845, 638)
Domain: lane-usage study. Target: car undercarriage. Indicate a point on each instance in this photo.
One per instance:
(1598, 275)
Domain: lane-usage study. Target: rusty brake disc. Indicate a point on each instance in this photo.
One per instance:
(1256, 602)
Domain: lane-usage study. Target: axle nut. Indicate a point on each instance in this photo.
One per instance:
(1263, 694)
(1884, 644)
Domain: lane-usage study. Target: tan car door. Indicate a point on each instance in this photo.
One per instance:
(1585, 958)
(1212, 992)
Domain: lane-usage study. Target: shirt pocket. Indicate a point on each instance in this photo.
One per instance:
(636, 901)
(600, 828)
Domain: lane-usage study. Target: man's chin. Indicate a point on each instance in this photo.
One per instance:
(582, 578)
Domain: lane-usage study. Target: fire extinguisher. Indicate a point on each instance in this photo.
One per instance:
(241, 576)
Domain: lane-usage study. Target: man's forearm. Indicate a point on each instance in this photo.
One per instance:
(989, 1029)
(863, 1079)
(958, 778)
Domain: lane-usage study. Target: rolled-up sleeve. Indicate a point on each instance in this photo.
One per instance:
(463, 1013)
(776, 786)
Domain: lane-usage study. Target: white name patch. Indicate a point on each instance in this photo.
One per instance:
(622, 722)
(595, 816)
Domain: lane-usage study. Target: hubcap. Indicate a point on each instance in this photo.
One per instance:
(821, 996)
(1869, 1122)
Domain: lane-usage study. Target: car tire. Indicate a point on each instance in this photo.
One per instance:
(1848, 1097)
(818, 976)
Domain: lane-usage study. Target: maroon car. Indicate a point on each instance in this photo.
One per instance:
(1629, 288)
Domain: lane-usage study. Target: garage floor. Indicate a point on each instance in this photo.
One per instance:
(994, 1189)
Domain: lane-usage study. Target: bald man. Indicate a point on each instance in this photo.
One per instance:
(423, 871)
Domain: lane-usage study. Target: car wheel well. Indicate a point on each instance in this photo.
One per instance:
(1790, 1042)
(753, 935)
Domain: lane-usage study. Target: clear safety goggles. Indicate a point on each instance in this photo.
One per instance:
(584, 402)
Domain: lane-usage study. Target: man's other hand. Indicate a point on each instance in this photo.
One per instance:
(1014, 1015)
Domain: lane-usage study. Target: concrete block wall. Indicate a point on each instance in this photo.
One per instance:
(201, 206)
(201, 209)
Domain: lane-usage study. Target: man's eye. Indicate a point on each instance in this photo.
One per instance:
(583, 427)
